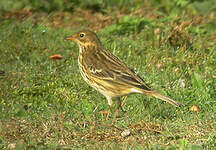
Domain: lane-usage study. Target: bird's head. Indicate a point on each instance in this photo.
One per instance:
(85, 39)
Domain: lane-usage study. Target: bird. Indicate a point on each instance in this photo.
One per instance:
(107, 73)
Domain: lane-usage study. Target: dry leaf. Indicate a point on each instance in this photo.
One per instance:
(194, 108)
(56, 56)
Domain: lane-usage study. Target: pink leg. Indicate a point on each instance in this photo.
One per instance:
(110, 102)
(117, 110)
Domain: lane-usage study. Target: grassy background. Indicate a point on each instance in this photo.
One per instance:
(45, 104)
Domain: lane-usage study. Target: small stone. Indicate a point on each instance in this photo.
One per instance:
(125, 133)
(11, 146)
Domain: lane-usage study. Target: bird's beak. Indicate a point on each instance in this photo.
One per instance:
(70, 38)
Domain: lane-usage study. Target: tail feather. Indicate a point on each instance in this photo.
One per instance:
(167, 99)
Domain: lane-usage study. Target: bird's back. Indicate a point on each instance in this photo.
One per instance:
(107, 70)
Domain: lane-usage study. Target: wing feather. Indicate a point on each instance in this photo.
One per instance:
(104, 65)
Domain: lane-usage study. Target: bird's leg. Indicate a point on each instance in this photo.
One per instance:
(119, 106)
(117, 110)
(110, 102)
(106, 112)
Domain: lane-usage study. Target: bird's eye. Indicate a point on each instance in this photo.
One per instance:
(82, 35)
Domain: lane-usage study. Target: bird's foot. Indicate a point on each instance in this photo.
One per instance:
(105, 112)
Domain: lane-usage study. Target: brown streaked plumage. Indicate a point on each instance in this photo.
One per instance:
(107, 73)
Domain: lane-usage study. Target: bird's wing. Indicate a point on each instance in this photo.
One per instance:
(104, 65)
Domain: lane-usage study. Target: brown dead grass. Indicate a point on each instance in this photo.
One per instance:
(81, 17)
(77, 19)
(85, 132)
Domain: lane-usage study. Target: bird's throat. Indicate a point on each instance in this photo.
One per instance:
(88, 48)
(82, 49)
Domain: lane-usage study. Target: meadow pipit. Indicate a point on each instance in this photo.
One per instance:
(107, 73)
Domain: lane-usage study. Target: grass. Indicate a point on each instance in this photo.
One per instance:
(45, 104)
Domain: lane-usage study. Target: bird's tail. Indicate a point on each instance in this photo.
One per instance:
(167, 99)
